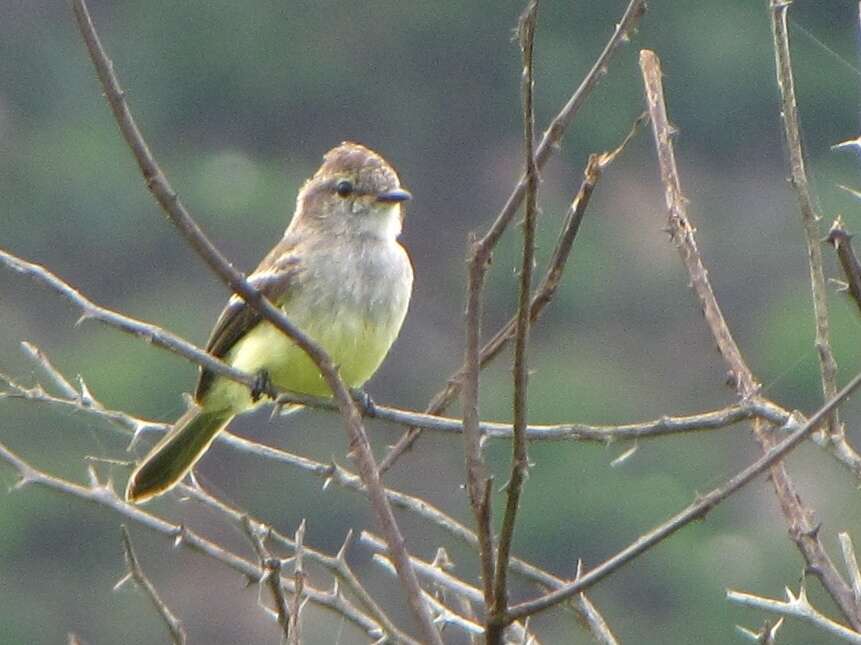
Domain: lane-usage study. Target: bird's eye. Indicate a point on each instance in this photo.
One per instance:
(344, 188)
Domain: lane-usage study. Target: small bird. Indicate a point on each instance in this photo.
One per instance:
(339, 274)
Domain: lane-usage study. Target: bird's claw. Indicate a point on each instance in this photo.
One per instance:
(365, 401)
(263, 386)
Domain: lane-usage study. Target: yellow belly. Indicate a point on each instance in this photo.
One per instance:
(357, 346)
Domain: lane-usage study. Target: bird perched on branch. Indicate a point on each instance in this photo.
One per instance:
(339, 274)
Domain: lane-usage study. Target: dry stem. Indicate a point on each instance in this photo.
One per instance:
(799, 520)
(360, 449)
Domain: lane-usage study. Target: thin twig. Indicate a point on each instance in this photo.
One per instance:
(519, 454)
(334, 473)
(150, 333)
(603, 434)
(765, 636)
(841, 240)
(53, 374)
(851, 565)
(801, 527)
(299, 584)
(478, 481)
(337, 565)
(272, 568)
(360, 449)
(797, 607)
(174, 625)
(104, 496)
(551, 141)
(809, 216)
(434, 574)
(694, 511)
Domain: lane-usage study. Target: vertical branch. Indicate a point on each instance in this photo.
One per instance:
(550, 143)
(799, 518)
(174, 626)
(519, 457)
(295, 637)
(272, 568)
(809, 216)
(360, 448)
(478, 483)
(841, 240)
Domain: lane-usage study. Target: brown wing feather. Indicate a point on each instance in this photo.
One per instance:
(273, 278)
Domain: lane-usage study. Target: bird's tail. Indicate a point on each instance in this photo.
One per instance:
(172, 457)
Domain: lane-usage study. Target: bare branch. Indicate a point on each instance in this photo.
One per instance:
(337, 565)
(519, 456)
(765, 636)
(841, 240)
(851, 565)
(271, 567)
(697, 510)
(168, 199)
(148, 332)
(299, 583)
(802, 529)
(605, 434)
(809, 216)
(550, 142)
(433, 573)
(796, 607)
(40, 359)
(552, 138)
(180, 535)
(334, 473)
(174, 625)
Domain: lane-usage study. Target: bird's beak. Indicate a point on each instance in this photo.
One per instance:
(394, 196)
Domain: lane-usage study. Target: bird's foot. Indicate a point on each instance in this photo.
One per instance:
(263, 386)
(364, 400)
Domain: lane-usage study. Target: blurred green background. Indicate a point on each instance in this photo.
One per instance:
(239, 101)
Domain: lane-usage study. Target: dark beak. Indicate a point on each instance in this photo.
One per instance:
(394, 196)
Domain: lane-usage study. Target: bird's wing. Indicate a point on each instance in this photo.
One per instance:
(273, 278)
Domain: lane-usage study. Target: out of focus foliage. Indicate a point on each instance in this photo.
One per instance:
(240, 100)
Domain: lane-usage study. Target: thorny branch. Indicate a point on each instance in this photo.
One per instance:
(337, 565)
(802, 528)
(551, 141)
(495, 618)
(168, 199)
(160, 337)
(272, 568)
(174, 625)
(795, 606)
(705, 503)
(103, 495)
(841, 240)
(331, 474)
(809, 216)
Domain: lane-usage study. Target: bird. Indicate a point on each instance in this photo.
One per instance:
(339, 274)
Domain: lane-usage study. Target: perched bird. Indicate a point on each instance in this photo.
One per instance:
(339, 274)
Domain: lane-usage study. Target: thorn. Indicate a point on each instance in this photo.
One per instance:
(179, 538)
(85, 397)
(122, 581)
(93, 477)
(849, 143)
(813, 532)
(621, 459)
(348, 542)
(442, 560)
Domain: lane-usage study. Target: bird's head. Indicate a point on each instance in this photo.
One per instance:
(354, 191)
